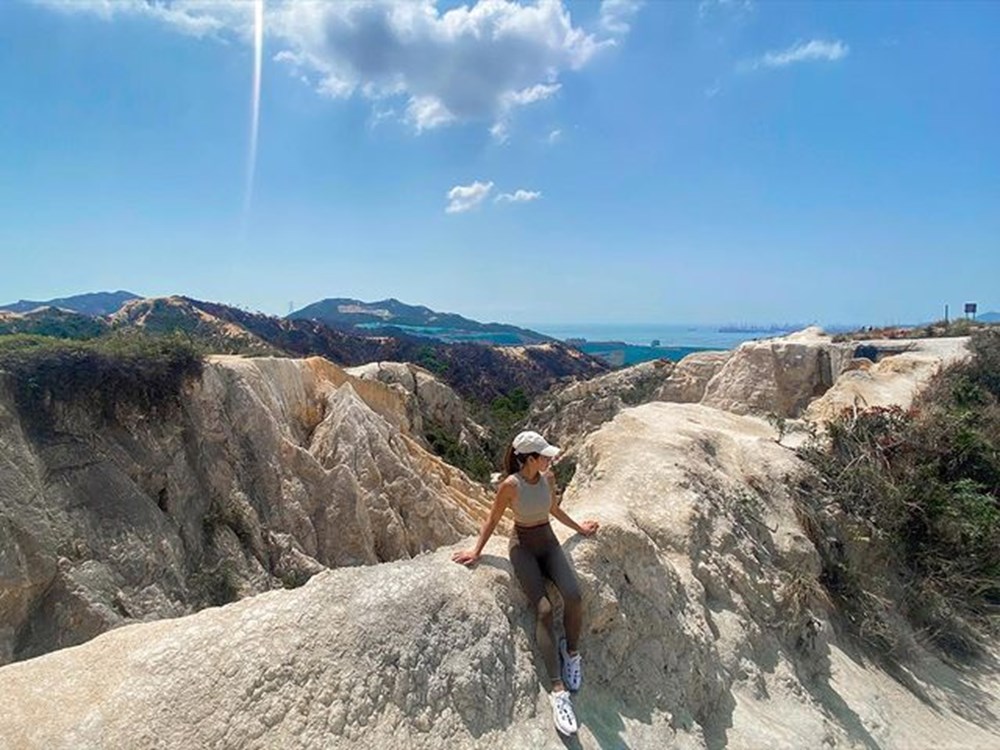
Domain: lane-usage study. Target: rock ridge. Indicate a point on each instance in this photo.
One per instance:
(271, 470)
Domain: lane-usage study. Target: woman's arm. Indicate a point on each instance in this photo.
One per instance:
(505, 494)
(587, 528)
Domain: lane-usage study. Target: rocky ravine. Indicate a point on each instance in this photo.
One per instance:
(702, 630)
(693, 638)
(269, 471)
(431, 404)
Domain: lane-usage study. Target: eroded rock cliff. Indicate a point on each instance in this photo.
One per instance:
(705, 626)
(268, 471)
(698, 634)
(566, 414)
(430, 403)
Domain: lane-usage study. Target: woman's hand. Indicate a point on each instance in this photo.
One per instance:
(466, 557)
(589, 527)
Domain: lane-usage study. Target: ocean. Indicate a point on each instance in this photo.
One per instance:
(623, 345)
(670, 335)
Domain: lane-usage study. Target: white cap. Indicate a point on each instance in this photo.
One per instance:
(532, 442)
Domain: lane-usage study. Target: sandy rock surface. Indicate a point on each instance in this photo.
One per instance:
(690, 378)
(697, 632)
(903, 368)
(567, 414)
(269, 471)
(689, 639)
(778, 376)
(430, 403)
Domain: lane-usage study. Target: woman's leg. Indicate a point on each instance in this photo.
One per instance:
(561, 572)
(529, 574)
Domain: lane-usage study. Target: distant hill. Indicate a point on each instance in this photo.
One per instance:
(167, 315)
(480, 373)
(390, 316)
(53, 321)
(96, 303)
(990, 317)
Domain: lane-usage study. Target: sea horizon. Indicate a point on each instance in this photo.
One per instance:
(721, 336)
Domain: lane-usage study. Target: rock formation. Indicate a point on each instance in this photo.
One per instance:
(690, 377)
(705, 623)
(902, 369)
(431, 404)
(778, 376)
(699, 634)
(270, 471)
(568, 413)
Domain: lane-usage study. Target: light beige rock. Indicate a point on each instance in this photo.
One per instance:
(779, 376)
(690, 377)
(429, 402)
(903, 369)
(270, 470)
(694, 636)
(689, 637)
(566, 414)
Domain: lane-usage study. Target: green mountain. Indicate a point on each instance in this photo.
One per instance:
(391, 317)
(52, 321)
(479, 373)
(96, 303)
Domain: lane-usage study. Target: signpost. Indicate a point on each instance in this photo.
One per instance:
(970, 310)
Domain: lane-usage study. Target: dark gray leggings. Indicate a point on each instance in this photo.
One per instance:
(536, 555)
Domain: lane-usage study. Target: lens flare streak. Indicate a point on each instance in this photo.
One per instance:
(258, 49)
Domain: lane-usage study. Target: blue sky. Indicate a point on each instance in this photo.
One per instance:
(554, 162)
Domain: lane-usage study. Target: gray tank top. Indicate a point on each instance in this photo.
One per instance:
(531, 506)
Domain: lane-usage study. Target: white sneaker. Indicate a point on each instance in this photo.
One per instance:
(562, 712)
(572, 668)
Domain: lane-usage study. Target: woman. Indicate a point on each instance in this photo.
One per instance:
(535, 553)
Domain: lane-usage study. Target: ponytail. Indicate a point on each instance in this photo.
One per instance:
(512, 461)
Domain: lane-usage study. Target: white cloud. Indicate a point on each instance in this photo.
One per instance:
(536, 93)
(616, 15)
(197, 18)
(380, 115)
(519, 196)
(426, 112)
(472, 63)
(815, 49)
(500, 131)
(555, 136)
(466, 197)
(477, 63)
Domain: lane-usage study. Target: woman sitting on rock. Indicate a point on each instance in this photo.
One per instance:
(535, 553)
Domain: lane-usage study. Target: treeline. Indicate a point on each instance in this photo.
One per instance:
(125, 369)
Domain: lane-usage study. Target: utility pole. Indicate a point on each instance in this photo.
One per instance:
(946, 314)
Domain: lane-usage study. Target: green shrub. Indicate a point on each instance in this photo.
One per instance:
(984, 369)
(428, 358)
(56, 325)
(471, 460)
(507, 410)
(137, 370)
(923, 484)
